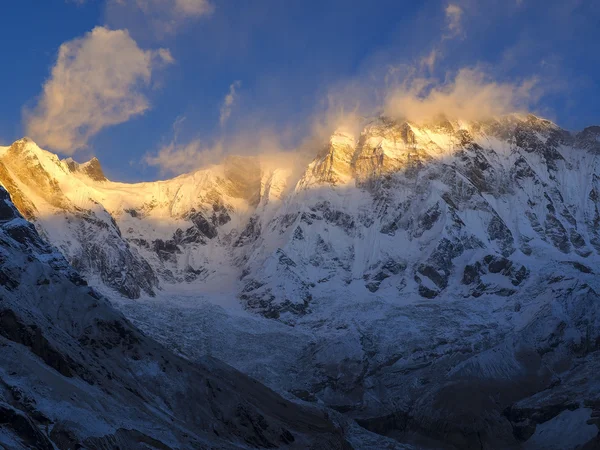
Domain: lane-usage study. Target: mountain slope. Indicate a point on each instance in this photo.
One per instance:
(441, 204)
(74, 372)
(435, 281)
(422, 210)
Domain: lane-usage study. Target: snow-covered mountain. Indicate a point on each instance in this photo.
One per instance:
(439, 279)
(74, 373)
(403, 209)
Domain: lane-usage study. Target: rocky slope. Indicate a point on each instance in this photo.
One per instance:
(403, 208)
(74, 373)
(436, 281)
(408, 210)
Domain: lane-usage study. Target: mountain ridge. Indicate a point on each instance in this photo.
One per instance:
(432, 281)
(229, 202)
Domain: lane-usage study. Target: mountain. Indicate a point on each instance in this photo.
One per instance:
(404, 208)
(74, 373)
(436, 282)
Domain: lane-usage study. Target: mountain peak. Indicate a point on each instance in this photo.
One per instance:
(333, 163)
(24, 144)
(341, 136)
(91, 168)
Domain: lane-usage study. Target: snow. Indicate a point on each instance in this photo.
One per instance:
(162, 205)
(70, 360)
(351, 347)
(569, 429)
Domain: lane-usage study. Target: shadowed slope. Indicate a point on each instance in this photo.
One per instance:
(74, 372)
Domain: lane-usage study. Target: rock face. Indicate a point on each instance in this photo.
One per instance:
(92, 168)
(130, 238)
(74, 373)
(432, 200)
(85, 232)
(441, 277)
(445, 204)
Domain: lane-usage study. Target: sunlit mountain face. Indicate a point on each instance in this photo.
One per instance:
(432, 281)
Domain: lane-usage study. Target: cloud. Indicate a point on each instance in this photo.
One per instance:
(268, 145)
(407, 94)
(471, 95)
(193, 7)
(428, 61)
(174, 9)
(454, 16)
(164, 55)
(427, 87)
(175, 158)
(164, 17)
(420, 89)
(98, 81)
(228, 102)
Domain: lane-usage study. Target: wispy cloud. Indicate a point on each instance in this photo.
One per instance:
(454, 21)
(98, 81)
(175, 157)
(164, 17)
(170, 9)
(453, 28)
(420, 89)
(184, 156)
(471, 95)
(428, 61)
(228, 102)
(192, 7)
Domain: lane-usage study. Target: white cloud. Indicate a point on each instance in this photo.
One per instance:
(181, 8)
(454, 16)
(228, 102)
(430, 59)
(471, 95)
(163, 17)
(179, 157)
(97, 81)
(193, 7)
(165, 56)
(175, 158)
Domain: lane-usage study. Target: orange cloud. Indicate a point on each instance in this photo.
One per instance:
(97, 82)
(471, 95)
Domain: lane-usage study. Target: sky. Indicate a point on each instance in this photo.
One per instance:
(155, 88)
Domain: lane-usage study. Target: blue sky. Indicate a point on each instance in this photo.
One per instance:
(290, 62)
